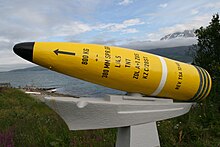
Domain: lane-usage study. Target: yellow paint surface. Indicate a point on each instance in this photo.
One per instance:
(119, 68)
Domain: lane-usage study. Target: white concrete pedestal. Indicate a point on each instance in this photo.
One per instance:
(135, 117)
(144, 135)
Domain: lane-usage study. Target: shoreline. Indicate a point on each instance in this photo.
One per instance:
(40, 93)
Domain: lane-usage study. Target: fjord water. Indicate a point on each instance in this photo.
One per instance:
(48, 79)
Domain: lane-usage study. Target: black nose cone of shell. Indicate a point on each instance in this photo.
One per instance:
(24, 50)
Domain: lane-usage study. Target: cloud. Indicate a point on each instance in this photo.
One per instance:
(74, 28)
(122, 27)
(3, 39)
(212, 5)
(195, 23)
(132, 30)
(9, 60)
(163, 5)
(39, 20)
(70, 29)
(188, 16)
(154, 36)
(105, 41)
(81, 20)
(194, 11)
(125, 2)
(132, 22)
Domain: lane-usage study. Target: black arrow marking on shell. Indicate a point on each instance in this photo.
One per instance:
(57, 52)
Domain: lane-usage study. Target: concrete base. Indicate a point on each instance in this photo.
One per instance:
(134, 116)
(144, 135)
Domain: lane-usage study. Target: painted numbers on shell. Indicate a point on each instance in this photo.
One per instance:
(107, 62)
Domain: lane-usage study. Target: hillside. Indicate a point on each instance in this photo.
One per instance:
(176, 53)
(35, 68)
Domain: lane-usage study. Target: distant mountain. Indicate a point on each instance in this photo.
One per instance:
(184, 34)
(35, 68)
(176, 53)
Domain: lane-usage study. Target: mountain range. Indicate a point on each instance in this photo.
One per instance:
(184, 34)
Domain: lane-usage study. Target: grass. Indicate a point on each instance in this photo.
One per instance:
(25, 121)
(200, 127)
(193, 129)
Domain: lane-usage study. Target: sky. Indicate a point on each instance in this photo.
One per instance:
(137, 24)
